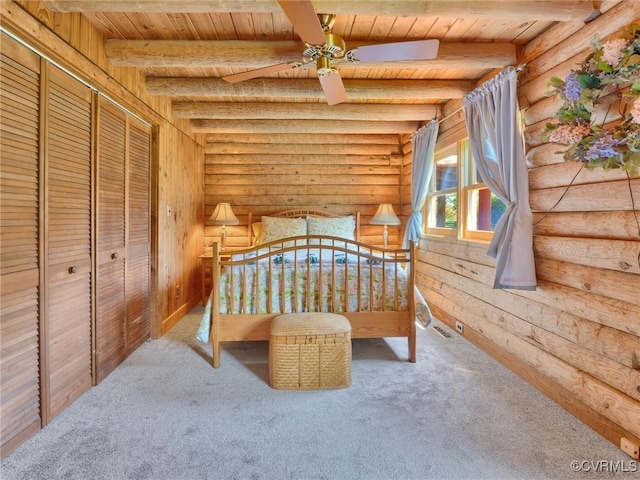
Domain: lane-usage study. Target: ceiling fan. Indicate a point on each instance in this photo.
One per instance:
(322, 47)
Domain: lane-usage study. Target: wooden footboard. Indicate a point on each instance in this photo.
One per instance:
(351, 278)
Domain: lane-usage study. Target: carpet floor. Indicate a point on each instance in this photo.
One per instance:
(165, 413)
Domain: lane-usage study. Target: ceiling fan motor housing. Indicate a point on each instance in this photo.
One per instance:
(322, 54)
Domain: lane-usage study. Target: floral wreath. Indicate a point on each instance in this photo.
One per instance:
(610, 76)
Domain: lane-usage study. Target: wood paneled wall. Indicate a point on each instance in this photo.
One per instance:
(73, 43)
(577, 337)
(340, 174)
(180, 234)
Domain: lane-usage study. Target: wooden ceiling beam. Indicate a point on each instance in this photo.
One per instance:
(315, 139)
(305, 111)
(328, 148)
(384, 90)
(553, 10)
(258, 54)
(228, 127)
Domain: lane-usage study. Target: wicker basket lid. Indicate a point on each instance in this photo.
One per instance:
(309, 323)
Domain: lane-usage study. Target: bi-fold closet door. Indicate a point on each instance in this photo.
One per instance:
(68, 269)
(74, 240)
(46, 263)
(123, 236)
(20, 72)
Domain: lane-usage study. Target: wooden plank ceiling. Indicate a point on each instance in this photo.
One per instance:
(186, 46)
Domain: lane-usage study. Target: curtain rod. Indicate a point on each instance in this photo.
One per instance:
(519, 68)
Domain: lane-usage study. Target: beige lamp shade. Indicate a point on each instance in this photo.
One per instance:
(223, 215)
(385, 216)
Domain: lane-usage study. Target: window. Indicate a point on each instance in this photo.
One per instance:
(482, 209)
(442, 199)
(458, 202)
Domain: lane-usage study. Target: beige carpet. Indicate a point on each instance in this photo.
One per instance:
(167, 414)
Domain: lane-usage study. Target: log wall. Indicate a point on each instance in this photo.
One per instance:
(72, 42)
(341, 174)
(577, 337)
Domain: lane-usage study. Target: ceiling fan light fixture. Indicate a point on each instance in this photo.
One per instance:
(323, 64)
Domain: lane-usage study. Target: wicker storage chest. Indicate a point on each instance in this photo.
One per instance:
(310, 351)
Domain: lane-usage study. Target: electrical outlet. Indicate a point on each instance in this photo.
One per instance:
(630, 448)
(459, 327)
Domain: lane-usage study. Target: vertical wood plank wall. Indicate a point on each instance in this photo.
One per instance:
(180, 234)
(78, 47)
(577, 337)
(340, 174)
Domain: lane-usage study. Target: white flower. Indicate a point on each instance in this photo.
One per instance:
(612, 51)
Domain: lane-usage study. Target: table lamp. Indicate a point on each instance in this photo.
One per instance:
(223, 215)
(385, 216)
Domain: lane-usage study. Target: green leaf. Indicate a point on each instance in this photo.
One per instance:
(604, 66)
(632, 60)
(556, 82)
(588, 80)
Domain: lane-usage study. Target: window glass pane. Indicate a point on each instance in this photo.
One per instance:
(485, 209)
(443, 211)
(477, 177)
(446, 173)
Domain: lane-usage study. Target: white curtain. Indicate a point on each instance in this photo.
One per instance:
(423, 143)
(491, 114)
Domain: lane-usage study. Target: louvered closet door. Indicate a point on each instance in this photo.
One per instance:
(67, 333)
(138, 234)
(111, 238)
(19, 271)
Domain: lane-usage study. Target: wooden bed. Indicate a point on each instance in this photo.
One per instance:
(266, 280)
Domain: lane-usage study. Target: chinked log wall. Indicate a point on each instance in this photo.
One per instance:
(577, 337)
(263, 174)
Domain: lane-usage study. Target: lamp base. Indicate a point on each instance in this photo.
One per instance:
(223, 238)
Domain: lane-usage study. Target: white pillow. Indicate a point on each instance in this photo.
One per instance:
(275, 228)
(343, 227)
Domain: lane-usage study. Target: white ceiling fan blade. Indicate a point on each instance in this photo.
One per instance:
(258, 72)
(305, 20)
(333, 88)
(417, 50)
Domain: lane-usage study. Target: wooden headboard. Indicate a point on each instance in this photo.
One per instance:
(303, 213)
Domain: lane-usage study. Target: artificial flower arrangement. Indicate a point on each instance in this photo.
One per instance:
(609, 78)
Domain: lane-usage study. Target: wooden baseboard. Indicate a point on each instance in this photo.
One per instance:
(563, 397)
(169, 322)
